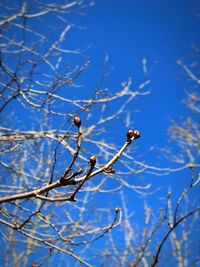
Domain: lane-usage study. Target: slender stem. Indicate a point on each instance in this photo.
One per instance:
(59, 183)
(45, 242)
(155, 261)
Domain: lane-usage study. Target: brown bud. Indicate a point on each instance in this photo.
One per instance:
(77, 121)
(117, 210)
(136, 134)
(92, 160)
(130, 134)
(190, 165)
(133, 133)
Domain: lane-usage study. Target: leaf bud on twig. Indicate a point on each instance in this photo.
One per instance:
(92, 160)
(77, 121)
(133, 134)
(190, 165)
(117, 210)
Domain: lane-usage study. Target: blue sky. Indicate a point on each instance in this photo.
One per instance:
(162, 32)
(127, 32)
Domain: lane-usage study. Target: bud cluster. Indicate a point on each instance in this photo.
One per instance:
(133, 134)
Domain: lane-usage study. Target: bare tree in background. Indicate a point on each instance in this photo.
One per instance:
(168, 236)
(59, 158)
(55, 160)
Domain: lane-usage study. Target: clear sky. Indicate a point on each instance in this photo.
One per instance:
(129, 33)
(162, 32)
(159, 31)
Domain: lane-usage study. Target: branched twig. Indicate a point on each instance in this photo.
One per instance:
(131, 135)
(50, 245)
(155, 260)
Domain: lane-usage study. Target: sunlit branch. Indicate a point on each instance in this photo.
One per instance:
(59, 182)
